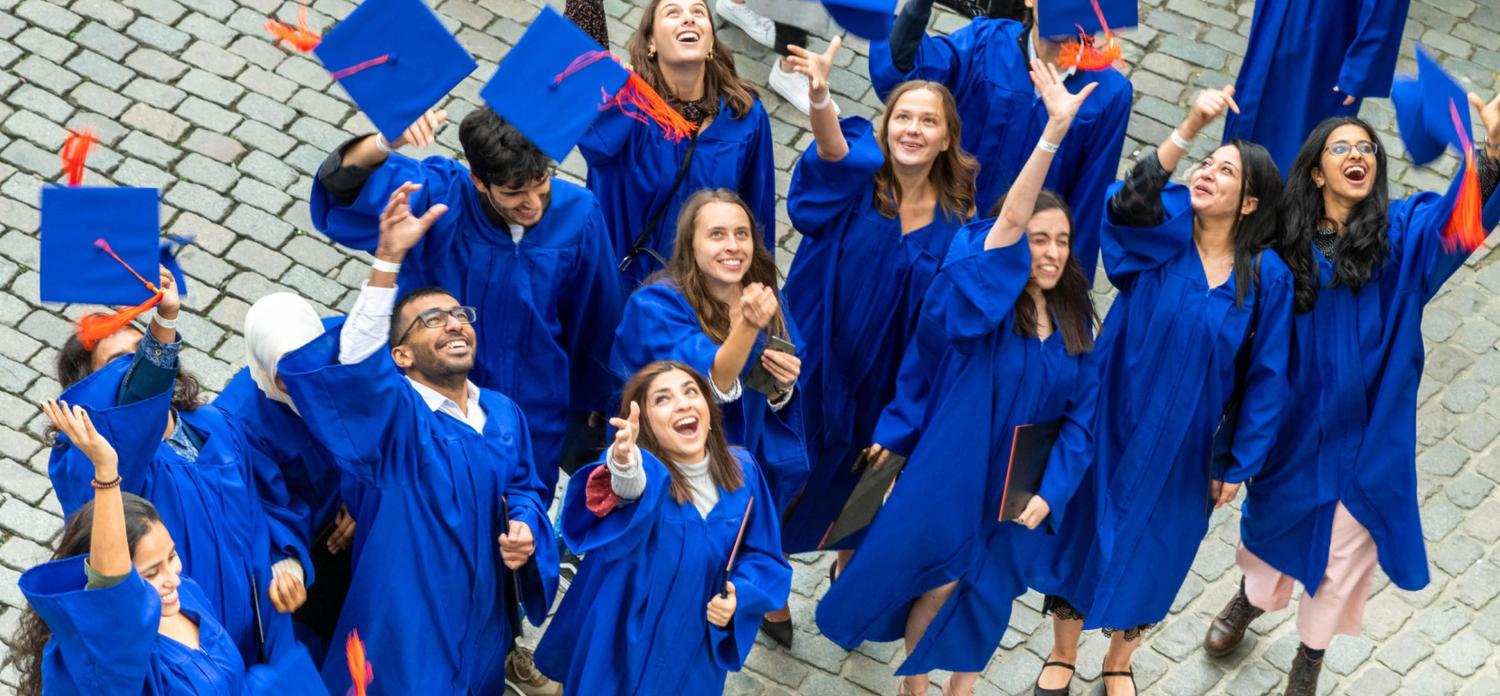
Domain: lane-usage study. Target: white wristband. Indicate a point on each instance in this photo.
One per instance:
(385, 266)
(164, 322)
(1045, 146)
(827, 102)
(381, 144)
(1180, 141)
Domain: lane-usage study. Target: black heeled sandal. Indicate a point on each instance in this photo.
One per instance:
(1129, 674)
(1039, 690)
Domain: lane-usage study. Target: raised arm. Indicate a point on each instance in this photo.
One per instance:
(823, 115)
(346, 169)
(1020, 201)
(758, 305)
(109, 551)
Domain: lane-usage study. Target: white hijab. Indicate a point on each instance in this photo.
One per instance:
(277, 324)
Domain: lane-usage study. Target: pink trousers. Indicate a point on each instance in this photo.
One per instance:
(1339, 606)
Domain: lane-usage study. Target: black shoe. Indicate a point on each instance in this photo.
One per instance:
(833, 570)
(779, 631)
(1130, 674)
(1037, 690)
(567, 568)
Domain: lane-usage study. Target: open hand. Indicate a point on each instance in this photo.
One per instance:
(816, 66)
(721, 607)
(517, 545)
(1061, 104)
(400, 230)
(424, 132)
(74, 422)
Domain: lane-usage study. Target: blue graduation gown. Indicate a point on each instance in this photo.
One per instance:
(1298, 52)
(296, 477)
(632, 167)
(941, 522)
(1167, 356)
(210, 506)
(985, 66)
(106, 641)
(1350, 432)
(635, 619)
(659, 324)
(429, 589)
(547, 306)
(854, 289)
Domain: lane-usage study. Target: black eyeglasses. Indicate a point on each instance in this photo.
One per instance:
(1364, 147)
(435, 318)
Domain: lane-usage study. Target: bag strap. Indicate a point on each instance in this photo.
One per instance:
(642, 241)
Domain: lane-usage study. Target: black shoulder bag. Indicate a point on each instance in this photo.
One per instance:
(642, 241)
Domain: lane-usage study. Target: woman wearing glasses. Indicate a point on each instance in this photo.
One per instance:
(1340, 493)
(1193, 348)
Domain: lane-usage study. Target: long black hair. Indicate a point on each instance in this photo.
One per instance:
(1069, 300)
(33, 633)
(1361, 250)
(1259, 179)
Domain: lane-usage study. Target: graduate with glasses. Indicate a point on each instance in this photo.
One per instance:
(451, 515)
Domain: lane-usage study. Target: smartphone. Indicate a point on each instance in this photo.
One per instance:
(760, 378)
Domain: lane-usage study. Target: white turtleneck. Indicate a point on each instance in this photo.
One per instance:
(629, 482)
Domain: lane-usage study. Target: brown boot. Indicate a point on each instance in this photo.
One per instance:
(1303, 680)
(1228, 628)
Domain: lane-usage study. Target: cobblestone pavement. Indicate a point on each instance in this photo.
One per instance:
(191, 96)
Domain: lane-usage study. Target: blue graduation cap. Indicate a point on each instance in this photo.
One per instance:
(553, 84)
(1432, 111)
(95, 242)
(868, 19)
(395, 59)
(1066, 17)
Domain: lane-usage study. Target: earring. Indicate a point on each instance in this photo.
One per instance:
(651, 54)
(710, 54)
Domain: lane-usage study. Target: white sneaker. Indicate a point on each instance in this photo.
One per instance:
(757, 26)
(792, 86)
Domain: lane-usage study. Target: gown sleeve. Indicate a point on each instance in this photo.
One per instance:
(622, 531)
(101, 639)
(1370, 62)
(1416, 223)
(977, 287)
(1266, 389)
(134, 429)
(1129, 249)
(365, 413)
(821, 191)
(761, 575)
(948, 60)
(901, 420)
(357, 225)
(607, 139)
(658, 324)
(1073, 453)
(589, 311)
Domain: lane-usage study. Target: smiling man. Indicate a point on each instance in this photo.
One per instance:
(450, 509)
(528, 250)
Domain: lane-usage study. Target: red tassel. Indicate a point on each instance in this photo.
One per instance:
(1465, 227)
(75, 151)
(94, 327)
(362, 673)
(1084, 55)
(302, 38)
(636, 100)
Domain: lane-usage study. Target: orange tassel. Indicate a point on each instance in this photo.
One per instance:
(636, 100)
(1084, 55)
(1465, 227)
(75, 151)
(362, 673)
(302, 38)
(94, 327)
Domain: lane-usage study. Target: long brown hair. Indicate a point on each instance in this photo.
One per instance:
(683, 272)
(953, 172)
(719, 76)
(1069, 300)
(33, 633)
(723, 468)
(74, 362)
